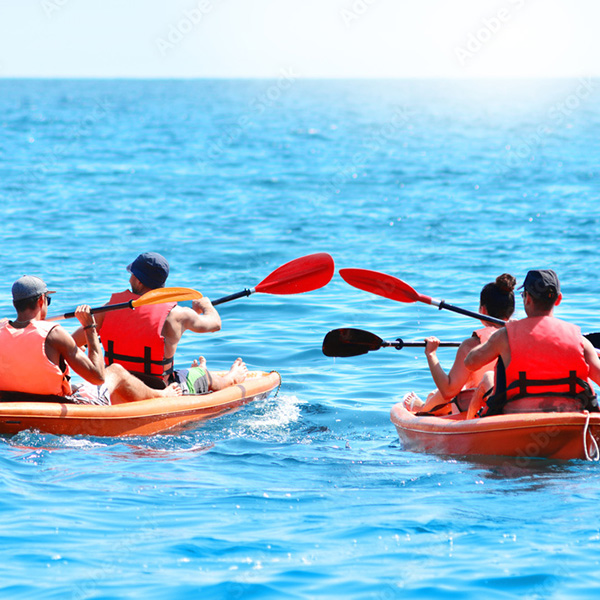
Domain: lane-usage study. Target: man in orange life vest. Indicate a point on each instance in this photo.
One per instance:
(144, 340)
(544, 364)
(35, 355)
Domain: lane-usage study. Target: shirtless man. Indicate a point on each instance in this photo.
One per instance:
(144, 340)
(35, 355)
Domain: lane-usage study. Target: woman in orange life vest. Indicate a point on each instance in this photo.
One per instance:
(544, 364)
(497, 299)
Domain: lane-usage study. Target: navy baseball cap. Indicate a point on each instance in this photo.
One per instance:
(29, 286)
(542, 284)
(151, 269)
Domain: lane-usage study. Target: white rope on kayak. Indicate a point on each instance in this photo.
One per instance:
(593, 454)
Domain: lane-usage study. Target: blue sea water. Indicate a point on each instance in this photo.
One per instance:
(308, 494)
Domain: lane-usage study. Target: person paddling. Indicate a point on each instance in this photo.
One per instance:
(544, 363)
(145, 341)
(497, 299)
(35, 356)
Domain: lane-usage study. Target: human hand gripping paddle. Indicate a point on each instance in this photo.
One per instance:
(157, 296)
(396, 289)
(354, 342)
(303, 274)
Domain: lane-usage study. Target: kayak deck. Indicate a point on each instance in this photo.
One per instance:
(144, 417)
(564, 436)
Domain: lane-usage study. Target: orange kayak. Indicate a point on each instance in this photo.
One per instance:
(144, 417)
(567, 435)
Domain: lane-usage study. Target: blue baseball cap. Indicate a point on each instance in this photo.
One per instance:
(151, 269)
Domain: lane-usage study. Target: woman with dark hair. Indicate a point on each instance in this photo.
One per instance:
(497, 299)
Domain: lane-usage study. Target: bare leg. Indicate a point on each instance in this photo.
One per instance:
(125, 387)
(477, 401)
(237, 373)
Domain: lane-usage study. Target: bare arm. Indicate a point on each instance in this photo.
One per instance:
(496, 346)
(449, 385)
(591, 358)
(79, 334)
(61, 344)
(201, 318)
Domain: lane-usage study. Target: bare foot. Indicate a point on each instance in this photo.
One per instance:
(172, 390)
(238, 371)
(200, 362)
(413, 402)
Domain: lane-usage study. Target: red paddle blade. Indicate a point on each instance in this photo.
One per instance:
(382, 285)
(303, 274)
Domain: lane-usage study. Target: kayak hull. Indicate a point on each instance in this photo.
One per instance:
(144, 417)
(562, 436)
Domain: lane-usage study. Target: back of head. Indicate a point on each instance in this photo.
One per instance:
(151, 269)
(543, 287)
(26, 291)
(498, 297)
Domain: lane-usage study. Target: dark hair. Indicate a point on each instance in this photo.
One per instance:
(498, 297)
(543, 304)
(26, 303)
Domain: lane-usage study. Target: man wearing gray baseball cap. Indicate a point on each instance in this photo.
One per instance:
(35, 355)
(544, 363)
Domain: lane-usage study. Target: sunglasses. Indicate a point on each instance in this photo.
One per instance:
(48, 299)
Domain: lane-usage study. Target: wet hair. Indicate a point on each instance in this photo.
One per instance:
(498, 297)
(26, 303)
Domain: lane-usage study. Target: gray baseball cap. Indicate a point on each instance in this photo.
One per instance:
(29, 286)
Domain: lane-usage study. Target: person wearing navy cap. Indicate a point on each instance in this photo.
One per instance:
(35, 356)
(544, 363)
(144, 340)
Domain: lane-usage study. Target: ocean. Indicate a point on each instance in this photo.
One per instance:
(309, 494)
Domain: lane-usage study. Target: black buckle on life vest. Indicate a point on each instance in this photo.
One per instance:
(146, 360)
(586, 396)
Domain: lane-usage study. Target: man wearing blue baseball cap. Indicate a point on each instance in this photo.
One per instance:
(35, 356)
(544, 363)
(144, 340)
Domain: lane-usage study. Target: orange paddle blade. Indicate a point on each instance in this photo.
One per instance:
(170, 294)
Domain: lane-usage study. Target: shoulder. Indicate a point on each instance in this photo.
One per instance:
(181, 314)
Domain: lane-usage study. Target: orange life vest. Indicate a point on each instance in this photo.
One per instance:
(475, 377)
(24, 366)
(547, 369)
(133, 338)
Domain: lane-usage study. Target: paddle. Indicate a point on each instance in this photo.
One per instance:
(354, 342)
(158, 296)
(396, 289)
(303, 274)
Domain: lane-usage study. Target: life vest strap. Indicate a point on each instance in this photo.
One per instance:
(587, 397)
(146, 360)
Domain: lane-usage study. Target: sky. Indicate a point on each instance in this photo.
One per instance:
(306, 38)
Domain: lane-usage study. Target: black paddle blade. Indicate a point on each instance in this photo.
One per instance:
(350, 342)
